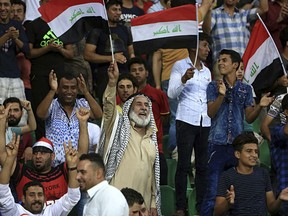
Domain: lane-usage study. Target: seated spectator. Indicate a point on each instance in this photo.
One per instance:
(33, 192)
(246, 189)
(135, 202)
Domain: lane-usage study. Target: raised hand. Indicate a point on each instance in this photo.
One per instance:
(71, 154)
(13, 146)
(113, 73)
(230, 195)
(82, 84)
(26, 105)
(4, 112)
(53, 80)
(83, 114)
(284, 194)
(120, 58)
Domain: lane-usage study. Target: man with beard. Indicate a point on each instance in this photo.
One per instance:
(98, 49)
(129, 144)
(53, 179)
(14, 116)
(34, 198)
(61, 122)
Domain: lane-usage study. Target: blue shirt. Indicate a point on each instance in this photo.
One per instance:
(60, 128)
(279, 156)
(228, 121)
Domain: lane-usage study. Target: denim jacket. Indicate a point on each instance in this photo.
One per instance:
(228, 121)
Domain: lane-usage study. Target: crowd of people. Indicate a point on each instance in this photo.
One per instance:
(81, 128)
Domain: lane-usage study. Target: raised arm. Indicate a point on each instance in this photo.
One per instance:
(157, 68)
(71, 155)
(3, 121)
(96, 111)
(83, 142)
(31, 126)
(273, 205)
(263, 7)
(42, 109)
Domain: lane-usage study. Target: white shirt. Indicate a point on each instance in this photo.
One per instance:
(105, 200)
(61, 207)
(94, 136)
(192, 99)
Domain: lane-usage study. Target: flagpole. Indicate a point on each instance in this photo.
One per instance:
(273, 44)
(197, 41)
(110, 35)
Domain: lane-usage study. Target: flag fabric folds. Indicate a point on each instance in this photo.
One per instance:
(70, 20)
(171, 28)
(262, 61)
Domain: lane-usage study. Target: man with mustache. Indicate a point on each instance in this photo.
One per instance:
(129, 144)
(53, 179)
(34, 198)
(14, 116)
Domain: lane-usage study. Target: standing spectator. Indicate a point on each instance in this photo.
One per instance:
(133, 138)
(18, 13)
(228, 27)
(97, 49)
(104, 199)
(61, 122)
(160, 107)
(47, 53)
(188, 84)
(246, 189)
(12, 40)
(130, 11)
(228, 101)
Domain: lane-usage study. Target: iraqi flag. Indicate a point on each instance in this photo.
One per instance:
(262, 61)
(70, 20)
(171, 29)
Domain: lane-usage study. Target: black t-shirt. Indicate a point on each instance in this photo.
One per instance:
(250, 191)
(39, 34)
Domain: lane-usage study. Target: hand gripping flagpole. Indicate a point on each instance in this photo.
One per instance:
(110, 35)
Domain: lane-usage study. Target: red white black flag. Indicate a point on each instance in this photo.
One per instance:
(172, 28)
(70, 20)
(262, 61)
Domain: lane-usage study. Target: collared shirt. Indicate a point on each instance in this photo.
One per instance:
(105, 200)
(192, 106)
(62, 207)
(61, 128)
(230, 32)
(228, 122)
(279, 156)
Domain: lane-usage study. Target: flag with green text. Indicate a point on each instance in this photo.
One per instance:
(262, 61)
(171, 29)
(70, 20)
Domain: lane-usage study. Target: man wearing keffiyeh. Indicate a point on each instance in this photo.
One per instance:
(129, 144)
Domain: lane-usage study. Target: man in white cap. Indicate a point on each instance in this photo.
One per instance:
(53, 179)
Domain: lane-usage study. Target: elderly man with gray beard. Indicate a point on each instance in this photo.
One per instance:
(129, 144)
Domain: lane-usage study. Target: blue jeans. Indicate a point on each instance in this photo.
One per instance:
(173, 103)
(221, 158)
(191, 137)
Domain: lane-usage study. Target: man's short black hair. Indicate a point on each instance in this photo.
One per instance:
(205, 37)
(67, 76)
(109, 3)
(128, 76)
(94, 158)
(176, 3)
(12, 100)
(242, 139)
(19, 2)
(31, 184)
(132, 196)
(235, 56)
(137, 60)
(283, 36)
